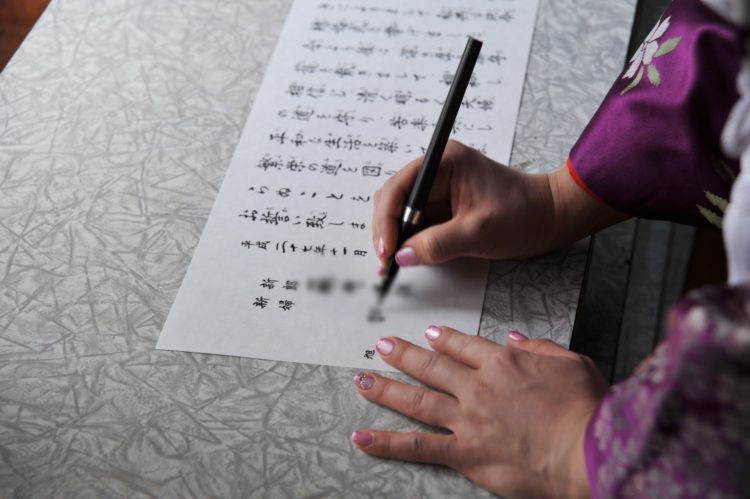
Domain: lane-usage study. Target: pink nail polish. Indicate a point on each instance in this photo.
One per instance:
(385, 346)
(362, 438)
(517, 336)
(381, 247)
(405, 257)
(432, 333)
(364, 381)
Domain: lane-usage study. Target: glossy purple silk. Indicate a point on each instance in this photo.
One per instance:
(653, 147)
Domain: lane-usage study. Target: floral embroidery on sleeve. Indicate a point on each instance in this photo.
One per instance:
(649, 50)
(711, 216)
(679, 426)
(715, 216)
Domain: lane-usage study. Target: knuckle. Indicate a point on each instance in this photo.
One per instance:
(417, 447)
(416, 403)
(427, 364)
(385, 391)
(501, 357)
(383, 442)
(461, 344)
(435, 249)
(454, 147)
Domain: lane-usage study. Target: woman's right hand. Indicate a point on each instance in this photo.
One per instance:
(480, 208)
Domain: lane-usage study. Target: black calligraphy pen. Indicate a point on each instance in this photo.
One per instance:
(420, 191)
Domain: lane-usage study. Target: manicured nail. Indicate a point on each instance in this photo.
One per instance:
(405, 257)
(381, 247)
(385, 346)
(362, 438)
(364, 381)
(432, 333)
(517, 336)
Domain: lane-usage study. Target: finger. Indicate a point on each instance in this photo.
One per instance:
(389, 200)
(418, 402)
(438, 243)
(388, 204)
(431, 368)
(417, 447)
(539, 347)
(470, 350)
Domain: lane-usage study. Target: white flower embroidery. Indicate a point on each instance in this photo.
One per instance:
(650, 49)
(645, 53)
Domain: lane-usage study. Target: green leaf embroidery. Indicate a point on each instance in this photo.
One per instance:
(653, 75)
(722, 170)
(717, 201)
(668, 46)
(709, 215)
(633, 83)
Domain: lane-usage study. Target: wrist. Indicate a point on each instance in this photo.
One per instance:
(577, 213)
(568, 458)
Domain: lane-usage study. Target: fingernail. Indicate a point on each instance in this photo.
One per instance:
(385, 346)
(517, 336)
(364, 381)
(363, 438)
(432, 333)
(381, 247)
(405, 257)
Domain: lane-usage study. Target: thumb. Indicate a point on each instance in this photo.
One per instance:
(539, 347)
(435, 244)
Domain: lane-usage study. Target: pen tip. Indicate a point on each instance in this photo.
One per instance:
(383, 290)
(381, 293)
(387, 281)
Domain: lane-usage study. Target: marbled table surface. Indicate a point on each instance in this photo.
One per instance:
(118, 120)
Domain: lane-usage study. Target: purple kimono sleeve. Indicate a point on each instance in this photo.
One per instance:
(680, 426)
(653, 147)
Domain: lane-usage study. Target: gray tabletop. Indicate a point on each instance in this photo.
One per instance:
(118, 121)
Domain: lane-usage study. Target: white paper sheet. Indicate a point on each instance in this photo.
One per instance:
(285, 268)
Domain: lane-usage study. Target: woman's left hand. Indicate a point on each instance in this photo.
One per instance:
(517, 414)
